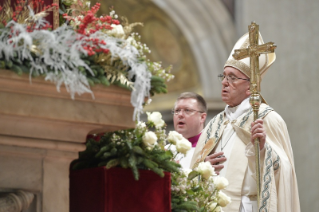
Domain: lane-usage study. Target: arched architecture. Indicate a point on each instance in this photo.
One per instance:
(210, 32)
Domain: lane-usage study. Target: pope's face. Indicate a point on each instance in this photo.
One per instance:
(233, 93)
(189, 125)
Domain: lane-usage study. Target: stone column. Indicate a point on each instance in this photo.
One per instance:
(15, 202)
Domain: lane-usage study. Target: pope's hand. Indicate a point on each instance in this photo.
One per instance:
(258, 131)
(216, 159)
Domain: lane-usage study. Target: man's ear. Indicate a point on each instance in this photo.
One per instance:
(203, 117)
(248, 91)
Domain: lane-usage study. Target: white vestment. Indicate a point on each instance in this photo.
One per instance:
(279, 191)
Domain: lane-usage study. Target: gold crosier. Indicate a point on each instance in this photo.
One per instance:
(253, 51)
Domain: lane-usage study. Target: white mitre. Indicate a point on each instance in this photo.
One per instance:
(243, 65)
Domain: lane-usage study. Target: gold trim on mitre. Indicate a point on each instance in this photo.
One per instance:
(243, 65)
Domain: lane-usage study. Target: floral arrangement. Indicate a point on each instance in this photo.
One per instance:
(139, 148)
(199, 190)
(148, 147)
(84, 51)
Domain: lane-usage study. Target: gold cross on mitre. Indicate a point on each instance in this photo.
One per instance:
(253, 51)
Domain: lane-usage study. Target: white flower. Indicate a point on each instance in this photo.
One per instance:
(140, 128)
(149, 139)
(156, 119)
(173, 137)
(131, 41)
(206, 169)
(75, 22)
(223, 199)
(214, 208)
(183, 146)
(117, 30)
(220, 182)
(211, 185)
(141, 125)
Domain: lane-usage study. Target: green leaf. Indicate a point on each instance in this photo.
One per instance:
(138, 150)
(106, 155)
(129, 144)
(25, 69)
(197, 188)
(113, 151)
(135, 172)
(188, 206)
(192, 175)
(124, 162)
(139, 160)
(155, 78)
(190, 192)
(165, 156)
(158, 171)
(171, 166)
(104, 80)
(102, 163)
(102, 150)
(2, 64)
(149, 164)
(91, 83)
(9, 64)
(202, 209)
(87, 62)
(176, 200)
(132, 161)
(112, 163)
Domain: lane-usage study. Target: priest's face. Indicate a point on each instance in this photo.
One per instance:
(234, 90)
(189, 117)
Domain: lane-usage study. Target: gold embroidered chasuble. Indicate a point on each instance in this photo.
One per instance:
(279, 191)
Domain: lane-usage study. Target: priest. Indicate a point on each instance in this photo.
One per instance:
(227, 142)
(189, 116)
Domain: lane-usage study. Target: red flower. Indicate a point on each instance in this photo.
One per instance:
(115, 22)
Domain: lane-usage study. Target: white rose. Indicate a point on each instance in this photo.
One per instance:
(149, 139)
(156, 118)
(223, 199)
(206, 169)
(183, 146)
(214, 208)
(173, 137)
(116, 31)
(220, 182)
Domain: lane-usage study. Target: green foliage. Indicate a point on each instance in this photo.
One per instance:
(124, 148)
(157, 85)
